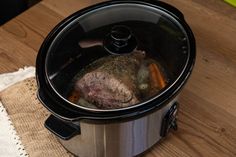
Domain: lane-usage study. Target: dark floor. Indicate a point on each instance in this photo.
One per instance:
(11, 8)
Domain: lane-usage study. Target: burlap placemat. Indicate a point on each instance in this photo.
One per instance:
(28, 115)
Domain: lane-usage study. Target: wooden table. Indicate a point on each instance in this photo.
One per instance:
(207, 118)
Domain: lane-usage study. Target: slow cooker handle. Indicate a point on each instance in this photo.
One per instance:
(63, 130)
(170, 120)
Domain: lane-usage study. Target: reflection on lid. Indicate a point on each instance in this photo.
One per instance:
(118, 13)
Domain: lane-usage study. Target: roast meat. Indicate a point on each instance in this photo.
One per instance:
(112, 84)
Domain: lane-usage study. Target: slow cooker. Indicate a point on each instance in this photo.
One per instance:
(114, 28)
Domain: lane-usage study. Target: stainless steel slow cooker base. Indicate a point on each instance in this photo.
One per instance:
(122, 139)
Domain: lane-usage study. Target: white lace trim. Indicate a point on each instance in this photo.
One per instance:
(8, 79)
(10, 143)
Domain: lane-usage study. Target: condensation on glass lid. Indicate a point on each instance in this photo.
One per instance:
(118, 81)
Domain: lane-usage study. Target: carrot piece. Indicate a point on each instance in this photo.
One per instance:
(74, 96)
(156, 76)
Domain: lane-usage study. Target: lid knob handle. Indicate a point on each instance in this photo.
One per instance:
(120, 40)
(120, 36)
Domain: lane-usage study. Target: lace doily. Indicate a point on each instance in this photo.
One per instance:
(10, 144)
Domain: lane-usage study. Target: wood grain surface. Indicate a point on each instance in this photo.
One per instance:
(207, 118)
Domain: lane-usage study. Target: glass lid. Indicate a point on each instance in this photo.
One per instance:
(117, 56)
